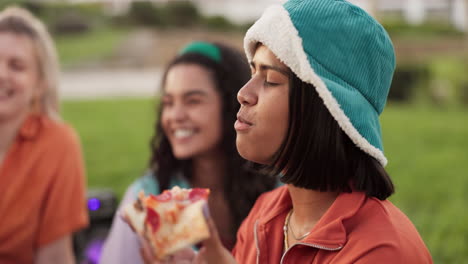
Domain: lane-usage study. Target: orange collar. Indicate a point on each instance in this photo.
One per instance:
(31, 127)
(330, 231)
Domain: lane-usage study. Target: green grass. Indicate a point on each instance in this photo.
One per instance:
(428, 160)
(115, 135)
(95, 45)
(427, 150)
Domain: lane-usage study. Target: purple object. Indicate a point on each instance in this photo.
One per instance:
(94, 204)
(93, 252)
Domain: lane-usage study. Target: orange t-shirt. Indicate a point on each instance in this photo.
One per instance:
(355, 229)
(42, 189)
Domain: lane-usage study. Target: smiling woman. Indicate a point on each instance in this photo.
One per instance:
(191, 111)
(194, 145)
(41, 167)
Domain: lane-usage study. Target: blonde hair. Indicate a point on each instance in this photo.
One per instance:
(20, 21)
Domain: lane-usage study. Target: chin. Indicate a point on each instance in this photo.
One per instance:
(183, 155)
(252, 155)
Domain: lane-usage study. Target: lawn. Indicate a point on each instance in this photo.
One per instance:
(427, 150)
(428, 160)
(115, 135)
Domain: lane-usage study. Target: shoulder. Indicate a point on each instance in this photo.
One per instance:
(383, 216)
(147, 183)
(150, 185)
(271, 200)
(379, 227)
(58, 131)
(44, 140)
(46, 137)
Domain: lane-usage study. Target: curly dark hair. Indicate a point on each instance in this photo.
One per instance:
(241, 185)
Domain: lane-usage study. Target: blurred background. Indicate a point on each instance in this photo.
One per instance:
(112, 53)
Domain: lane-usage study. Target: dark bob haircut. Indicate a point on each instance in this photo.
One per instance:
(316, 154)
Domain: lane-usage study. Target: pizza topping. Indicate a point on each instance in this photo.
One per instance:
(152, 218)
(172, 216)
(198, 193)
(166, 196)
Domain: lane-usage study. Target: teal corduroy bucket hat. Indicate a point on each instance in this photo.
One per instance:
(343, 52)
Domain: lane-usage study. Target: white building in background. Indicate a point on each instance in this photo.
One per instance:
(242, 11)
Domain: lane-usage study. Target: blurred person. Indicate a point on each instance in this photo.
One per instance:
(194, 145)
(321, 72)
(42, 180)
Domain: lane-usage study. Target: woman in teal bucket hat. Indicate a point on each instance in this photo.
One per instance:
(321, 71)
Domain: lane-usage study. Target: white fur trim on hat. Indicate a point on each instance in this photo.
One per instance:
(275, 30)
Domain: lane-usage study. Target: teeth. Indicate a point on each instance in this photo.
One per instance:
(183, 133)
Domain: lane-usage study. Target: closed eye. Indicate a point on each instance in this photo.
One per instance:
(267, 84)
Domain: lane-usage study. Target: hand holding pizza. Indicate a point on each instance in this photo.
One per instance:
(170, 223)
(212, 251)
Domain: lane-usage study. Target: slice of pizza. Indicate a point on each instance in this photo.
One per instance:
(170, 221)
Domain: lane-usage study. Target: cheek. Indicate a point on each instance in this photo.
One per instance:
(28, 86)
(264, 140)
(164, 121)
(278, 121)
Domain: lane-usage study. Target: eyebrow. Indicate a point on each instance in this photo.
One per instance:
(190, 93)
(270, 67)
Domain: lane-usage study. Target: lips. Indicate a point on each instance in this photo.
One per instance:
(241, 119)
(242, 124)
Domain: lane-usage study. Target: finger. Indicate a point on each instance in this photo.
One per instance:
(147, 259)
(213, 250)
(147, 250)
(186, 254)
(124, 218)
(213, 241)
(200, 257)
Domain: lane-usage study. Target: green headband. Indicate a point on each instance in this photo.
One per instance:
(207, 49)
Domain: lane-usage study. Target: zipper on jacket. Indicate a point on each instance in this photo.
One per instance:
(310, 245)
(256, 242)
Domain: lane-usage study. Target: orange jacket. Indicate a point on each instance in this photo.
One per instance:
(355, 229)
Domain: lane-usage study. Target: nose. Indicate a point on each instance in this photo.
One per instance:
(178, 112)
(247, 95)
